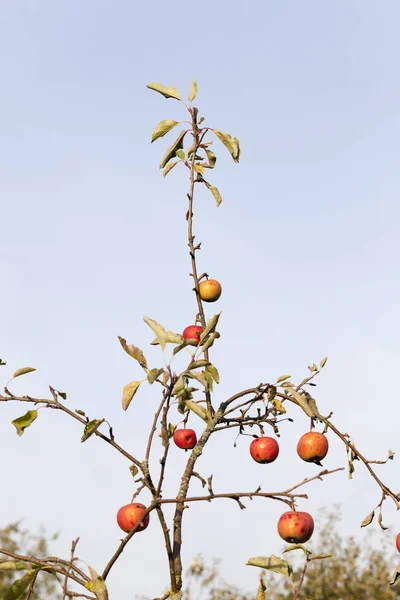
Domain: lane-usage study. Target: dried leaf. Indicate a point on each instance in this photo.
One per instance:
(134, 352)
(368, 519)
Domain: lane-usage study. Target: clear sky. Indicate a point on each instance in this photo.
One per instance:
(306, 246)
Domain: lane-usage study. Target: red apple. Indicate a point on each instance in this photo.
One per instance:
(313, 447)
(293, 527)
(185, 438)
(264, 449)
(130, 514)
(310, 522)
(398, 542)
(210, 290)
(192, 332)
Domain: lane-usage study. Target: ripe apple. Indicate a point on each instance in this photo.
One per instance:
(210, 290)
(185, 438)
(264, 449)
(398, 542)
(293, 527)
(192, 332)
(130, 514)
(310, 522)
(313, 447)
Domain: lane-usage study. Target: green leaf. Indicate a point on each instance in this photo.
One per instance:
(63, 395)
(210, 340)
(171, 152)
(283, 378)
(198, 364)
(212, 159)
(23, 371)
(25, 421)
(193, 91)
(18, 587)
(181, 154)
(134, 470)
(323, 362)
(198, 410)
(167, 92)
(181, 346)
(271, 563)
(134, 352)
(232, 144)
(310, 408)
(261, 595)
(199, 376)
(215, 193)
(210, 381)
(179, 386)
(170, 166)
(171, 430)
(163, 337)
(210, 327)
(297, 547)
(128, 393)
(154, 374)
(213, 372)
(162, 128)
(90, 428)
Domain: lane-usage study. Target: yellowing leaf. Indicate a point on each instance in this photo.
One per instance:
(215, 193)
(193, 91)
(199, 169)
(283, 378)
(163, 337)
(90, 428)
(128, 393)
(170, 166)
(25, 421)
(162, 128)
(232, 144)
(271, 563)
(23, 371)
(167, 92)
(212, 159)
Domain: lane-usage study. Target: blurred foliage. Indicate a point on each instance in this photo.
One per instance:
(356, 570)
(16, 539)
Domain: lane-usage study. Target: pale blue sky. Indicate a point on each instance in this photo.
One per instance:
(305, 244)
